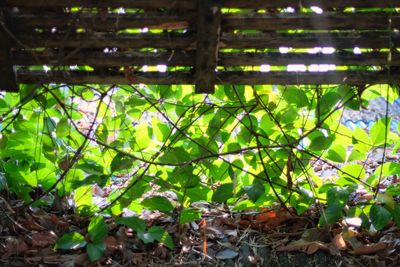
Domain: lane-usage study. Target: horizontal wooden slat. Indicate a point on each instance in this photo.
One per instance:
(179, 4)
(100, 59)
(278, 59)
(104, 40)
(223, 78)
(327, 21)
(188, 42)
(308, 3)
(191, 4)
(265, 22)
(307, 40)
(111, 22)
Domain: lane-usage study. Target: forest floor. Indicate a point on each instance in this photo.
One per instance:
(267, 237)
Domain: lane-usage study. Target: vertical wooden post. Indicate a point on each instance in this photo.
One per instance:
(208, 33)
(8, 82)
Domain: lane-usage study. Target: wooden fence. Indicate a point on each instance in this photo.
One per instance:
(201, 42)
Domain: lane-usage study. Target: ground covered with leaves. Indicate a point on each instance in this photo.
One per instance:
(270, 237)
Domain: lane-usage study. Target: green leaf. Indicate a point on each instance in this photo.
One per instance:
(295, 96)
(83, 200)
(223, 193)
(158, 203)
(332, 214)
(379, 131)
(255, 191)
(121, 163)
(337, 153)
(189, 215)
(175, 155)
(63, 128)
(289, 115)
(97, 229)
(72, 240)
(353, 171)
(337, 196)
(132, 222)
(162, 236)
(396, 215)
(320, 143)
(95, 250)
(379, 216)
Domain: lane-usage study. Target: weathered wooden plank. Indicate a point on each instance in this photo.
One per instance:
(151, 4)
(260, 4)
(264, 22)
(108, 40)
(278, 59)
(104, 77)
(224, 78)
(178, 58)
(101, 59)
(7, 76)
(191, 4)
(309, 40)
(208, 33)
(327, 21)
(110, 22)
(187, 42)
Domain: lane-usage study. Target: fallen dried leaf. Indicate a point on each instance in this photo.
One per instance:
(304, 246)
(44, 239)
(339, 242)
(370, 249)
(111, 243)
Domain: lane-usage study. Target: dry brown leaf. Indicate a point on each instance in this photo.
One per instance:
(370, 249)
(14, 246)
(304, 246)
(31, 224)
(44, 239)
(111, 243)
(339, 242)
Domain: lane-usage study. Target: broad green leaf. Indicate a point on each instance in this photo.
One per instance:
(63, 128)
(354, 171)
(289, 115)
(255, 191)
(320, 143)
(387, 200)
(175, 155)
(72, 240)
(121, 163)
(223, 193)
(189, 215)
(102, 133)
(331, 214)
(162, 236)
(132, 222)
(396, 215)
(295, 96)
(83, 200)
(337, 196)
(336, 153)
(387, 169)
(97, 229)
(356, 155)
(158, 203)
(379, 216)
(379, 131)
(95, 250)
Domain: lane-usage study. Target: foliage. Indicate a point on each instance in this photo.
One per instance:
(244, 146)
